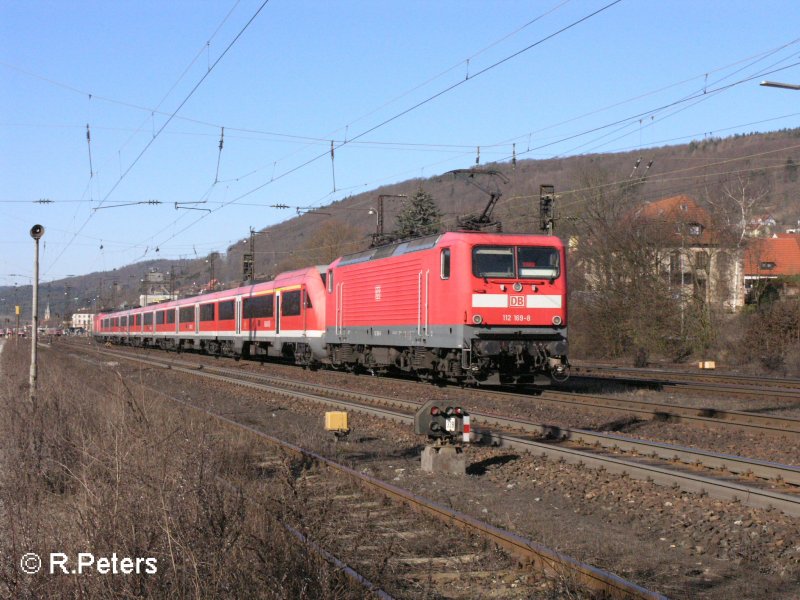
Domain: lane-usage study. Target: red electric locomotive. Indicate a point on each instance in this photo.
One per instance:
(458, 306)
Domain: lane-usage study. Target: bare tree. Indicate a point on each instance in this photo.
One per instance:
(621, 303)
(331, 240)
(735, 201)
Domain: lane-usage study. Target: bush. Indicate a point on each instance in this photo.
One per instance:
(95, 466)
(773, 336)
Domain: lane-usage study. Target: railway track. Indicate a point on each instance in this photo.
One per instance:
(673, 412)
(661, 411)
(710, 382)
(426, 550)
(755, 483)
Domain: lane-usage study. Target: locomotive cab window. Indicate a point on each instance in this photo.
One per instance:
(290, 304)
(445, 263)
(493, 261)
(520, 262)
(537, 262)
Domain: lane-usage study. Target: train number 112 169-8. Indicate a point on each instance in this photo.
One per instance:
(517, 318)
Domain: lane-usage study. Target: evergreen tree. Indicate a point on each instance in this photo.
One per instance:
(419, 217)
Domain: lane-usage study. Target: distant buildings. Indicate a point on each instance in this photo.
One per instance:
(697, 258)
(83, 320)
(702, 262)
(694, 259)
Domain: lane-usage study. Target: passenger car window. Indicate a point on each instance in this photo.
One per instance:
(290, 304)
(258, 307)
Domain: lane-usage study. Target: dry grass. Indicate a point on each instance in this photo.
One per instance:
(95, 466)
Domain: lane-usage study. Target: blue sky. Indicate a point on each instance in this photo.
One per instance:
(404, 89)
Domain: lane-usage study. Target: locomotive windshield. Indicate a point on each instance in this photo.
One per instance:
(515, 262)
(537, 262)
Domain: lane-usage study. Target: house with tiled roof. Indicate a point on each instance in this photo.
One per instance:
(682, 218)
(771, 264)
(694, 260)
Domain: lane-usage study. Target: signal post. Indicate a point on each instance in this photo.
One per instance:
(37, 231)
(448, 429)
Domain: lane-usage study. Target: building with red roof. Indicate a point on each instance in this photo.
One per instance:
(684, 221)
(769, 262)
(695, 262)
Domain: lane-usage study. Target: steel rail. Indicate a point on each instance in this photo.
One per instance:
(714, 487)
(690, 482)
(549, 561)
(674, 412)
(761, 469)
(740, 465)
(717, 389)
(670, 376)
(659, 411)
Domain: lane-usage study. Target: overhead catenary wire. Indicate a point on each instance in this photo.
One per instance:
(415, 106)
(472, 146)
(185, 100)
(685, 99)
(320, 139)
(167, 122)
(510, 200)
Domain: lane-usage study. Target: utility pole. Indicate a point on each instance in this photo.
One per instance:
(378, 237)
(249, 259)
(547, 197)
(210, 260)
(172, 282)
(37, 231)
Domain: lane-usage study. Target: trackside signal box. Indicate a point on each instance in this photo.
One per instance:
(442, 423)
(336, 421)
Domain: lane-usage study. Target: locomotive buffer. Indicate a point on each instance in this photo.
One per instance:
(447, 430)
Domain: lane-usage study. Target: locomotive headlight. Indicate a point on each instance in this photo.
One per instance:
(556, 320)
(518, 287)
(477, 319)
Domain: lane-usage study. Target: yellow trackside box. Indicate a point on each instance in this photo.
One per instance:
(336, 421)
(707, 364)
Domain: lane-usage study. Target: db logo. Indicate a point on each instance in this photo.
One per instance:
(516, 300)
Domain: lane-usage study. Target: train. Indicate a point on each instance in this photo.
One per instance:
(472, 308)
